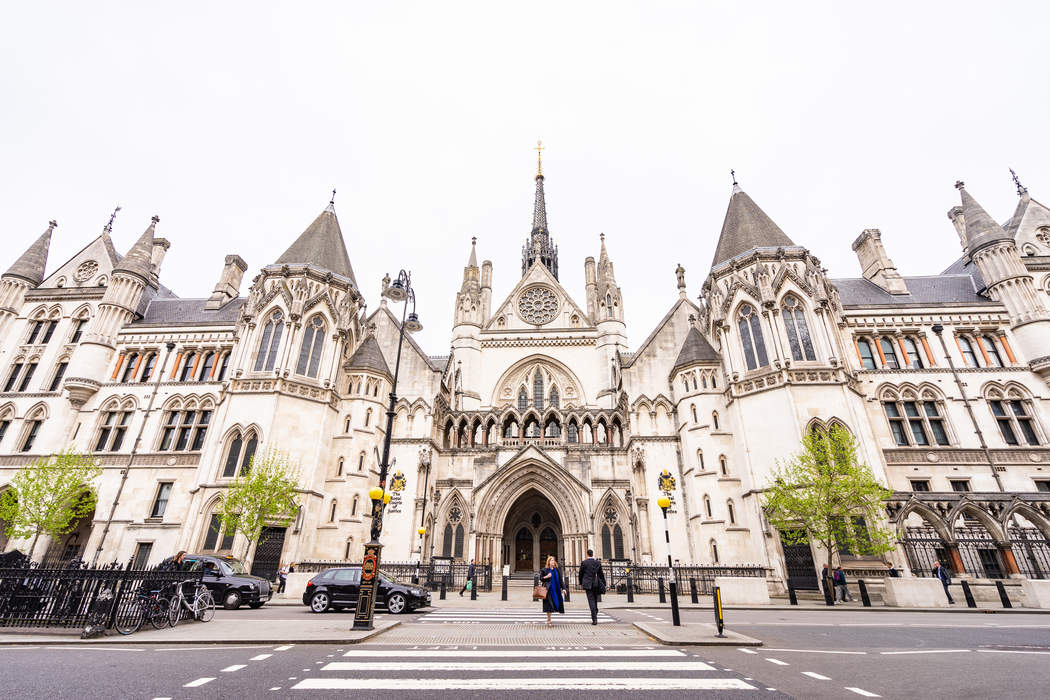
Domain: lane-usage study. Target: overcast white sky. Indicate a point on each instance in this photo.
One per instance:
(234, 121)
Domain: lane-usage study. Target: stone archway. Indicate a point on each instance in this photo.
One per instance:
(531, 533)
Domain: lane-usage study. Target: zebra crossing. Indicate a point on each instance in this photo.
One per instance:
(505, 616)
(424, 672)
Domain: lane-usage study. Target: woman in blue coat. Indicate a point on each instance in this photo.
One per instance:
(554, 602)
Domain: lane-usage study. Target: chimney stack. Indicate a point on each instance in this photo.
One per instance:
(959, 220)
(875, 265)
(229, 286)
(160, 247)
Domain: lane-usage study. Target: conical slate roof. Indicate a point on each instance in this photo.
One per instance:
(695, 349)
(322, 246)
(746, 227)
(981, 228)
(368, 356)
(139, 259)
(30, 266)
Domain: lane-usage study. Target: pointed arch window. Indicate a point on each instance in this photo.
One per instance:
(310, 350)
(554, 399)
(523, 399)
(1013, 415)
(700, 459)
(707, 506)
(714, 419)
(31, 431)
(185, 430)
(147, 370)
(607, 548)
(446, 542)
(223, 366)
(189, 364)
(353, 506)
(537, 390)
(867, 357)
(60, 371)
(723, 465)
(617, 541)
(914, 422)
(797, 330)
(889, 353)
(207, 367)
(573, 434)
(78, 330)
(132, 364)
(269, 342)
(331, 513)
(111, 433)
(460, 532)
(751, 338)
(714, 552)
(28, 375)
(731, 512)
(608, 306)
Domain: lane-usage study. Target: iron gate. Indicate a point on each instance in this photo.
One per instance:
(923, 546)
(979, 552)
(801, 570)
(1031, 551)
(268, 553)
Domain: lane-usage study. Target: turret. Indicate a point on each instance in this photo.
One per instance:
(26, 273)
(608, 315)
(469, 316)
(994, 252)
(124, 293)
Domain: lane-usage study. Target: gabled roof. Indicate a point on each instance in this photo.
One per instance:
(30, 266)
(746, 227)
(321, 245)
(628, 359)
(695, 349)
(368, 356)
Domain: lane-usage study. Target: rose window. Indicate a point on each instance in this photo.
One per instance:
(538, 305)
(86, 271)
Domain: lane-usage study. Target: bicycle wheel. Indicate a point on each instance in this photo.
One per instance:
(130, 619)
(205, 606)
(175, 610)
(158, 612)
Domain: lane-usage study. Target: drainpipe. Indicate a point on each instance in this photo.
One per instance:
(938, 329)
(131, 456)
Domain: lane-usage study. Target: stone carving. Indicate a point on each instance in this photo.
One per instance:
(538, 305)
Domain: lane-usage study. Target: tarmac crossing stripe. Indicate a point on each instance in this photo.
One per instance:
(537, 666)
(260, 657)
(925, 651)
(819, 677)
(748, 651)
(778, 662)
(286, 647)
(861, 691)
(1010, 651)
(235, 667)
(495, 653)
(199, 682)
(531, 683)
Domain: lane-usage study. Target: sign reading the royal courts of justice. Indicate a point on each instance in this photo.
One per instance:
(666, 484)
(397, 487)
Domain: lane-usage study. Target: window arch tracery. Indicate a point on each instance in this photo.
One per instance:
(797, 329)
(311, 348)
(751, 338)
(269, 342)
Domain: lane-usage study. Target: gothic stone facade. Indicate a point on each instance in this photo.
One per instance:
(541, 432)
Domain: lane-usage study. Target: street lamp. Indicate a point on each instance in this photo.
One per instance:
(398, 291)
(664, 502)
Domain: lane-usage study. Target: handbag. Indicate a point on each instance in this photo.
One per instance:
(470, 585)
(539, 592)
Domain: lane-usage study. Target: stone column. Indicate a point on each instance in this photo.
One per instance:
(954, 559)
(1007, 554)
(643, 519)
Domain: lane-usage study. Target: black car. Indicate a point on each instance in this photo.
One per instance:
(229, 581)
(335, 589)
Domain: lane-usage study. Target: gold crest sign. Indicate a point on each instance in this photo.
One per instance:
(397, 483)
(665, 482)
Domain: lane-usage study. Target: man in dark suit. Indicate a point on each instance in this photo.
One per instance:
(592, 580)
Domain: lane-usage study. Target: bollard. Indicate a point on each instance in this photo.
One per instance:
(719, 620)
(567, 587)
(630, 589)
(663, 596)
(692, 591)
(792, 598)
(474, 587)
(829, 600)
(968, 594)
(1002, 594)
(864, 593)
(504, 596)
(442, 588)
(676, 618)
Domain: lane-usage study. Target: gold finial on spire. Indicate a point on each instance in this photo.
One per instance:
(539, 158)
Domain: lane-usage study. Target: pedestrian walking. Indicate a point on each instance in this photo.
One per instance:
(282, 578)
(592, 581)
(944, 576)
(893, 572)
(841, 587)
(175, 563)
(470, 579)
(555, 600)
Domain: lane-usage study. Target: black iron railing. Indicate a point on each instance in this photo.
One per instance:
(75, 596)
(429, 574)
(646, 579)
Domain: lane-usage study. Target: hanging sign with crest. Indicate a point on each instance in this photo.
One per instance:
(397, 487)
(666, 484)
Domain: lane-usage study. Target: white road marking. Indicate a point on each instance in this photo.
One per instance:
(5, 648)
(235, 667)
(495, 653)
(199, 682)
(97, 648)
(748, 651)
(817, 651)
(210, 647)
(819, 677)
(861, 691)
(260, 657)
(925, 651)
(511, 666)
(1009, 651)
(778, 662)
(276, 687)
(531, 683)
(285, 647)
(161, 698)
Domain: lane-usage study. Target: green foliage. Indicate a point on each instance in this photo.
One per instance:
(263, 494)
(50, 496)
(824, 494)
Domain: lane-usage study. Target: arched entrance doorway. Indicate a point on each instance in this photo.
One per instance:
(531, 533)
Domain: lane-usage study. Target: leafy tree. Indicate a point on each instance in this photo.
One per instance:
(50, 496)
(825, 494)
(263, 494)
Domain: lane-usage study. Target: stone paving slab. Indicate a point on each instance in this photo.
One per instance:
(695, 634)
(324, 630)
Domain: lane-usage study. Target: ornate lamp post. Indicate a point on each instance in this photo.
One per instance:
(399, 290)
(664, 502)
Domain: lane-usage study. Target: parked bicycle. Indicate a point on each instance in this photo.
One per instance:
(199, 604)
(148, 605)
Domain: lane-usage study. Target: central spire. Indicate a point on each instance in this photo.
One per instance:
(539, 246)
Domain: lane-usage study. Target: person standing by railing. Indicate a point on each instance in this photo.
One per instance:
(592, 581)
